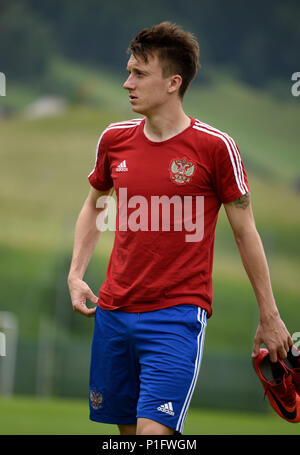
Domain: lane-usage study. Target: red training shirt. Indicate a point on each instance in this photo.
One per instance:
(152, 264)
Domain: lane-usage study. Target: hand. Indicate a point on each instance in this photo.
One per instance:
(273, 333)
(80, 292)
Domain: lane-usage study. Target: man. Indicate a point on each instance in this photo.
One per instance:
(153, 308)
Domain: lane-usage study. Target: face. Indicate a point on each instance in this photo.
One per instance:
(147, 88)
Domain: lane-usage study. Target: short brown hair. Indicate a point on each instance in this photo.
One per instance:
(178, 51)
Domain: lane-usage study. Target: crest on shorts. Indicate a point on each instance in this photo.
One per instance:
(181, 170)
(96, 399)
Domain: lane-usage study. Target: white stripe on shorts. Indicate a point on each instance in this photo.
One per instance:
(201, 316)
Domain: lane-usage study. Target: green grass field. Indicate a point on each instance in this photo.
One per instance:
(33, 416)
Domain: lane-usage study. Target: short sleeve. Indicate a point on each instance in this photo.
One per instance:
(231, 178)
(100, 177)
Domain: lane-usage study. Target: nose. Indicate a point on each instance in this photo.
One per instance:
(128, 84)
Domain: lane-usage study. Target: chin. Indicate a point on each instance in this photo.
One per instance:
(140, 110)
(137, 109)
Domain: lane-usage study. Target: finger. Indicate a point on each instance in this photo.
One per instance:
(282, 352)
(256, 348)
(92, 297)
(91, 312)
(286, 346)
(83, 309)
(273, 355)
(88, 294)
(79, 309)
(290, 341)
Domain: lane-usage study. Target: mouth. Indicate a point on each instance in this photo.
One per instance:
(132, 98)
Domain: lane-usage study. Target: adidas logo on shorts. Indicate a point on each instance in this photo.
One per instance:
(167, 408)
(122, 167)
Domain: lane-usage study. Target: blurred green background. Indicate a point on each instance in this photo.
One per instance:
(65, 63)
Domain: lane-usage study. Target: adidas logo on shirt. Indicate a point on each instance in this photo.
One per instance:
(167, 408)
(122, 167)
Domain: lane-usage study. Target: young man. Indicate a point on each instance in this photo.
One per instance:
(171, 173)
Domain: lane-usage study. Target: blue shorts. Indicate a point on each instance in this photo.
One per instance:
(145, 364)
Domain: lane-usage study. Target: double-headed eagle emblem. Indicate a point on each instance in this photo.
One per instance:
(181, 171)
(96, 399)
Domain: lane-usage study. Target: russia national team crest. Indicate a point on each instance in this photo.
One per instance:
(182, 170)
(96, 399)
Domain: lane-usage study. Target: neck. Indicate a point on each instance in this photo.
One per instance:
(168, 122)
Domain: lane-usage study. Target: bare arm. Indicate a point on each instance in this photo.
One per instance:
(271, 330)
(85, 240)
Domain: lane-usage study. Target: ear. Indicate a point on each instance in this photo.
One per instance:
(174, 83)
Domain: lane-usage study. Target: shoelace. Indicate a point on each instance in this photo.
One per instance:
(284, 389)
(297, 378)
